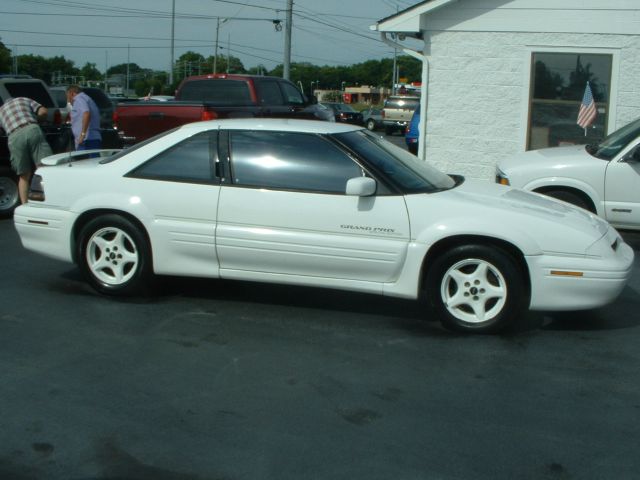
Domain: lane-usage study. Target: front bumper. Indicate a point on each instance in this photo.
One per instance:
(554, 285)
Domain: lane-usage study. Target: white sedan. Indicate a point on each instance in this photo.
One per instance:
(324, 205)
(603, 178)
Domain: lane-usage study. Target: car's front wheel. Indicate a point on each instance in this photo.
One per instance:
(475, 288)
(114, 255)
(9, 198)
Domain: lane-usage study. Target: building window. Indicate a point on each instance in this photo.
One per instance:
(558, 82)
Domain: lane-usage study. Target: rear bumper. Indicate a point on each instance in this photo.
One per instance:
(395, 123)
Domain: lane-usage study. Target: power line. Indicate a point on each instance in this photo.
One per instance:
(244, 4)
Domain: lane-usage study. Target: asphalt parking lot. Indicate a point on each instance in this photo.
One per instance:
(233, 380)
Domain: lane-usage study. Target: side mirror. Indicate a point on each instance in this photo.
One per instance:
(311, 99)
(633, 156)
(361, 186)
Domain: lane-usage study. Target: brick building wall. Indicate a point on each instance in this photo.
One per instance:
(479, 91)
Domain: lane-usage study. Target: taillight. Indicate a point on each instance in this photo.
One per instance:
(36, 189)
(57, 117)
(208, 115)
(382, 113)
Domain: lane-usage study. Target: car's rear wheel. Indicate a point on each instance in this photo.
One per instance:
(475, 288)
(9, 197)
(570, 197)
(371, 124)
(114, 255)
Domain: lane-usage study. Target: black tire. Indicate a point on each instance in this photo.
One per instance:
(570, 197)
(114, 256)
(413, 148)
(371, 124)
(9, 196)
(475, 288)
(389, 130)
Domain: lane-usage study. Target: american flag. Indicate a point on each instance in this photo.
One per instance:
(587, 113)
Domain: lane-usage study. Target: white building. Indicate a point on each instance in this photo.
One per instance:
(504, 76)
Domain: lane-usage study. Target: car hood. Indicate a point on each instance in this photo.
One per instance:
(558, 162)
(543, 224)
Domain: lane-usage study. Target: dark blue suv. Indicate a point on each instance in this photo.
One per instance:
(412, 134)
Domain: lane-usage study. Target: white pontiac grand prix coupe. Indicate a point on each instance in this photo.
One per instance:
(324, 205)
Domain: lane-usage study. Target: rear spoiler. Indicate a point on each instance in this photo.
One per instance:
(69, 157)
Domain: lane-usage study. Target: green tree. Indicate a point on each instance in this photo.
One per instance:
(235, 64)
(90, 72)
(121, 69)
(45, 68)
(5, 59)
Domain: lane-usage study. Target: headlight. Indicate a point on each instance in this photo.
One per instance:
(501, 177)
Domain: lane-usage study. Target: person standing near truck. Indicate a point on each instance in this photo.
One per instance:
(27, 145)
(85, 119)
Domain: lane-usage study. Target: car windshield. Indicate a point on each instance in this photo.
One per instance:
(608, 148)
(397, 165)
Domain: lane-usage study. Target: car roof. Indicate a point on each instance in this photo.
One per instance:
(274, 124)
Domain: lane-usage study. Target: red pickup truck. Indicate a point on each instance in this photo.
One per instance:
(209, 97)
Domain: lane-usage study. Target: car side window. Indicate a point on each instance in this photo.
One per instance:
(292, 94)
(290, 161)
(189, 161)
(270, 93)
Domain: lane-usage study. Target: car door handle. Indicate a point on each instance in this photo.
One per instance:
(156, 114)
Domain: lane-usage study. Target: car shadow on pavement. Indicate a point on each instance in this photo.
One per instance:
(410, 315)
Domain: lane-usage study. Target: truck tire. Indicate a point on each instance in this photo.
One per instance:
(9, 197)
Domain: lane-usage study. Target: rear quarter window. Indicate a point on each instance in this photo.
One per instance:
(217, 91)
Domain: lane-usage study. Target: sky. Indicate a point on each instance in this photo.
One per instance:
(107, 33)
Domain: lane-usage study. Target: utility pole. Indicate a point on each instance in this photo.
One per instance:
(287, 41)
(215, 53)
(128, 61)
(106, 67)
(228, 51)
(173, 25)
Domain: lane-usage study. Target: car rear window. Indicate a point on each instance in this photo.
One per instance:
(33, 90)
(408, 103)
(217, 91)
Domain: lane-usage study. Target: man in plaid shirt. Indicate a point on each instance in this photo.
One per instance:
(27, 145)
